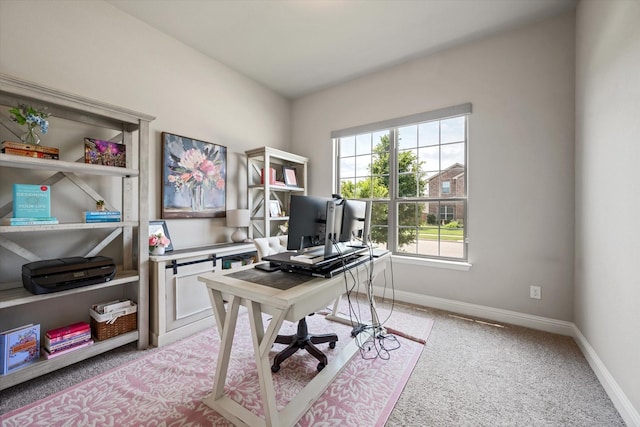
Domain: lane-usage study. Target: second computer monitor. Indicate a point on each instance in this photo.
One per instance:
(356, 221)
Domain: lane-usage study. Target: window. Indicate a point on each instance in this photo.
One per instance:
(414, 170)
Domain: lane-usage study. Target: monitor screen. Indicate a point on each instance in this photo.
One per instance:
(356, 221)
(314, 223)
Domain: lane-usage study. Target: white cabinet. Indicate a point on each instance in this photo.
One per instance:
(268, 199)
(128, 185)
(180, 304)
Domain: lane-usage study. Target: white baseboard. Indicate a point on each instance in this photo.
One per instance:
(628, 413)
(496, 314)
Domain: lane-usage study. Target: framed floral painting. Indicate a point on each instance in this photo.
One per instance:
(194, 178)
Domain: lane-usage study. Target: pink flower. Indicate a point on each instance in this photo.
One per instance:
(158, 239)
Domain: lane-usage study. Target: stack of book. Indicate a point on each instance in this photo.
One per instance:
(21, 149)
(31, 205)
(19, 347)
(102, 216)
(30, 221)
(66, 339)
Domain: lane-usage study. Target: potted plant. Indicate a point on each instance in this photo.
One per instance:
(100, 205)
(157, 243)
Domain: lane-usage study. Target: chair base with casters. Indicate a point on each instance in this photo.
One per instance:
(303, 340)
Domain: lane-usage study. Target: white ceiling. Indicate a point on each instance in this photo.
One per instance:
(296, 47)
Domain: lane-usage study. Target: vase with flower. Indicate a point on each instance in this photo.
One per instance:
(157, 243)
(32, 118)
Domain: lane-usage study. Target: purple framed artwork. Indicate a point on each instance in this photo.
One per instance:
(194, 178)
(99, 152)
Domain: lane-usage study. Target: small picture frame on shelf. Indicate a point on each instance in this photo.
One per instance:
(289, 175)
(274, 208)
(107, 153)
(161, 226)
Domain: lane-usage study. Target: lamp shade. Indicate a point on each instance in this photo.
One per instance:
(238, 218)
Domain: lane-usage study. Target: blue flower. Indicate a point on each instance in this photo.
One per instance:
(31, 117)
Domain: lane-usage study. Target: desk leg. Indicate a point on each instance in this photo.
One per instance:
(219, 311)
(228, 327)
(262, 342)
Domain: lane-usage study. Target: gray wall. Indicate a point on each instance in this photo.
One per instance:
(92, 49)
(521, 168)
(607, 283)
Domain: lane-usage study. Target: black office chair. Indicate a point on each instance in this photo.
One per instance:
(302, 339)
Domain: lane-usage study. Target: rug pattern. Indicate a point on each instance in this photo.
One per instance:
(166, 387)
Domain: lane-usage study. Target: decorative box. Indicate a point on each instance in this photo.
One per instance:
(115, 322)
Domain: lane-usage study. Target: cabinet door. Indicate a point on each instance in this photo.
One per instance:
(187, 298)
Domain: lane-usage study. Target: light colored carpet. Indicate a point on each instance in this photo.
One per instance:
(469, 374)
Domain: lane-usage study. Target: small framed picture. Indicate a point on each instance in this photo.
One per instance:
(274, 208)
(290, 176)
(156, 227)
(108, 153)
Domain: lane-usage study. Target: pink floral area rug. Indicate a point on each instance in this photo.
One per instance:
(166, 386)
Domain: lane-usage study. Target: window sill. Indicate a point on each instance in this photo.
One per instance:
(449, 265)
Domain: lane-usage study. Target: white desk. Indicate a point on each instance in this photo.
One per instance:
(291, 304)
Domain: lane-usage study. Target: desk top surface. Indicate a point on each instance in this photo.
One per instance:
(275, 279)
(299, 287)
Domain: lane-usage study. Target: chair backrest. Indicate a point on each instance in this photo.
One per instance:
(270, 245)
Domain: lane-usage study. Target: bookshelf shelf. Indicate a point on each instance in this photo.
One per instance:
(17, 295)
(9, 160)
(44, 366)
(65, 227)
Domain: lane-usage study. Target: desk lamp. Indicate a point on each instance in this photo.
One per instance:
(238, 218)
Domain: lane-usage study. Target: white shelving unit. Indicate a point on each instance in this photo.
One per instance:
(261, 192)
(132, 279)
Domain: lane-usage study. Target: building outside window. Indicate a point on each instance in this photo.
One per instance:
(413, 170)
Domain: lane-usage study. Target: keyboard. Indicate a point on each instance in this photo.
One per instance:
(334, 269)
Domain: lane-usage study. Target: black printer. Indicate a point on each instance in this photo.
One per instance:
(54, 275)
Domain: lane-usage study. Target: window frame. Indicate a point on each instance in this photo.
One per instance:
(394, 200)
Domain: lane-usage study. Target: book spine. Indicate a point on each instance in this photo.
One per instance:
(48, 355)
(53, 341)
(29, 147)
(31, 222)
(30, 153)
(92, 220)
(70, 343)
(48, 218)
(102, 214)
(4, 357)
(64, 330)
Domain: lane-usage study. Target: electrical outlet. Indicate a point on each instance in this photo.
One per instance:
(535, 292)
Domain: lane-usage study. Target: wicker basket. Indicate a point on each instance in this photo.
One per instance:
(105, 326)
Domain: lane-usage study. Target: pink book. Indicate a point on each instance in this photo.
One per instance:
(65, 330)
(48, 355)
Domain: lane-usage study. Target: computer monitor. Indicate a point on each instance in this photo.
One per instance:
(315, 224)
(356, 221)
